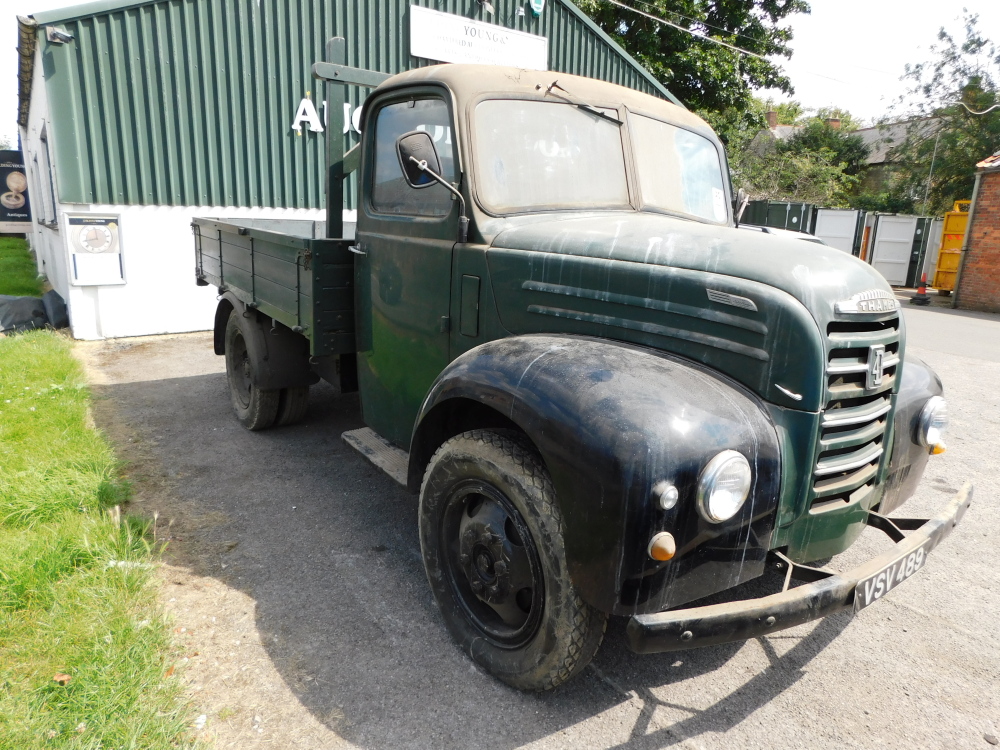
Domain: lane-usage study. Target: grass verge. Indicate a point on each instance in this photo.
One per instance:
(76, 598)
(18, 276)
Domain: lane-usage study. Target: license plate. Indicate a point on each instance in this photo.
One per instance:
(873, 588)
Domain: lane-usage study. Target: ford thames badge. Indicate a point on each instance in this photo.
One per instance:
(871, 301)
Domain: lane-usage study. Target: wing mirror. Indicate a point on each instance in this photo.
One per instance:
(419, 159)
(421, 167)
(740, 204)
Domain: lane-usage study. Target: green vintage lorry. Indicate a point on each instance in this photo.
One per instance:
(610, 400)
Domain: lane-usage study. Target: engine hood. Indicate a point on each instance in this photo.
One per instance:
(753, 306)
(815, 275)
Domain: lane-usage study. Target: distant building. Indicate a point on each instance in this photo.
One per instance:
(882, 139)
(979, 274)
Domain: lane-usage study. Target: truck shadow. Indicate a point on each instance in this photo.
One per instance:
(328, 549)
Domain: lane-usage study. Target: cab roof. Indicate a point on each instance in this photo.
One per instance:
(468, 82)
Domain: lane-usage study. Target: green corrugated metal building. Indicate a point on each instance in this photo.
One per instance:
(189, 102)
(143, 110)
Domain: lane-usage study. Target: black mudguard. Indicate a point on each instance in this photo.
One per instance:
(280, 356)
(610, 421)
(917, 384)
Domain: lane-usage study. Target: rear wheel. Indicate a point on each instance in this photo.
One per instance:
(492, 542)
(255, 408)
(293, 403)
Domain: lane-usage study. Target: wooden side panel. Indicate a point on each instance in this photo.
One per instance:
(208, 254)
(285, 299)
(283, 271)
(333, 297)
(307, 285)
(211, 269)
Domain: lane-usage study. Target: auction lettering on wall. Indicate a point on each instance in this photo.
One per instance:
(307, 114)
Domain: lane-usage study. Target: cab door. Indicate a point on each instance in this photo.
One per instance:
(405, 240)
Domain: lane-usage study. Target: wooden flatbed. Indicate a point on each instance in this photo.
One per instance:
(287, 270)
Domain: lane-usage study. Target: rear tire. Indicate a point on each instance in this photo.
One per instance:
(293, 404)
(255, 408)
(492, 541)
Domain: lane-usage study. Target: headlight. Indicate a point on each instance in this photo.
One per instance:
(723, 486)
(933, 422)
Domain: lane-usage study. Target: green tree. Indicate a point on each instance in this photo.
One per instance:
(954, 139)
(848, 122)
(891, 199)
(737, 126)
(816, 135)
(705, 76)
(819, 164)
(808, 176)
(789, 113)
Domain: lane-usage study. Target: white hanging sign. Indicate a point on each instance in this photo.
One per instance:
(449, 38)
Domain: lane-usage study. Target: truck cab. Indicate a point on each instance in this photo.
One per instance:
(609, 400)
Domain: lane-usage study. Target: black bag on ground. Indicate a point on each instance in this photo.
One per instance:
(20, 314)
(55, 309)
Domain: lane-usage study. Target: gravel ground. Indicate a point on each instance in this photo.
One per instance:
(295, 582)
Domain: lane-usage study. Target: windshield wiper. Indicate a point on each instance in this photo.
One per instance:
(581, 105)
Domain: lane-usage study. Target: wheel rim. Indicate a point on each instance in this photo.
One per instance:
(239, 374)
(492, 564)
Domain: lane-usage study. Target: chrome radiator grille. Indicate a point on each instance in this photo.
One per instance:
(855, 419)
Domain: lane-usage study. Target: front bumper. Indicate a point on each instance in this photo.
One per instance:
(682, 629)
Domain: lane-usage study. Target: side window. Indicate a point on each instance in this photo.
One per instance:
(390, 193)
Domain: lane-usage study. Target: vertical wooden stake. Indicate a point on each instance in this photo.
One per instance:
(336, 94)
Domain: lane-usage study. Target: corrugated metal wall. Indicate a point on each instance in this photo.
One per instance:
(190, 102)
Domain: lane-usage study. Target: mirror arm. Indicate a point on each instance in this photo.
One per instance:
(740, 201)
(463, 220)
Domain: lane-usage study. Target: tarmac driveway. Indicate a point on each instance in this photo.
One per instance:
(295, 580)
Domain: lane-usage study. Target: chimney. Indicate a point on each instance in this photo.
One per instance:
(833, 122)
(772, 119)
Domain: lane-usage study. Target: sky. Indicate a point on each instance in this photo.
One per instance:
(851, 53)
(846, 53)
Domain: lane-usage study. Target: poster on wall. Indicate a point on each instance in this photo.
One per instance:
(15, 212)
(455, 39)
(95, 252)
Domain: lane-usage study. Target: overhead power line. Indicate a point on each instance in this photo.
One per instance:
(717, 41)
(701, 22)
(665, 22)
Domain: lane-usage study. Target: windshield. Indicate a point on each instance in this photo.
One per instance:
(535, 155)
(532, 154)
(679, 171)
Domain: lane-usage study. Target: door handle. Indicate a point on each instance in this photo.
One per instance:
(356, 249)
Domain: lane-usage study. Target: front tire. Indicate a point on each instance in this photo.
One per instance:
(492, 541)
(255, 408)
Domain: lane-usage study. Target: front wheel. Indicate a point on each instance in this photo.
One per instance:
(492, 541)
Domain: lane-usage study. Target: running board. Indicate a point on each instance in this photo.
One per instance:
(379, 452)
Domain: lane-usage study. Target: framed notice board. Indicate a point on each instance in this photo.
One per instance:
(95, 250)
